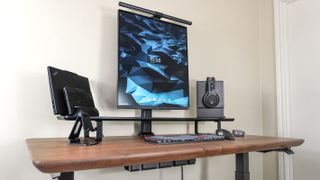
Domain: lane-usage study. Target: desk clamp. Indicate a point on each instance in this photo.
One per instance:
(83, 120)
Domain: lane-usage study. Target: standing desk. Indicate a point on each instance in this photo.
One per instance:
(55, 155)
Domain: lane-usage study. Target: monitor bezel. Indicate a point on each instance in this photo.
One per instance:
(118, 66)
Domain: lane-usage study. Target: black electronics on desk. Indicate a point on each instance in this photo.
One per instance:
(75, 98)
(152, 63)
(58, 79)
(71, 96)
(210, 98)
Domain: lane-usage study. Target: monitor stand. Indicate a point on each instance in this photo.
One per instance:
(83, 121)
(146, 123)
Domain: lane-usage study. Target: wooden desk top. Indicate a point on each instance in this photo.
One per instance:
(54, 155)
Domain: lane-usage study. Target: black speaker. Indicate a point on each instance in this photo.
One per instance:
(210, 99)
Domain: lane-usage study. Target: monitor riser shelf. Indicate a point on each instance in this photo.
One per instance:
(146, 120)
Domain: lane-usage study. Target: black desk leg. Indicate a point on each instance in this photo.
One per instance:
(66, 176)
(242, 166)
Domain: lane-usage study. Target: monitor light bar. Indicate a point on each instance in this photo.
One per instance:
(154, 13)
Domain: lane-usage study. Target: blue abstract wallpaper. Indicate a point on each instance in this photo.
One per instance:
(153, 63)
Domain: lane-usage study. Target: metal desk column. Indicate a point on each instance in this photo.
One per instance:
(242, 166)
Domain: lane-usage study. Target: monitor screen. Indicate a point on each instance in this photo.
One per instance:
(152, 63)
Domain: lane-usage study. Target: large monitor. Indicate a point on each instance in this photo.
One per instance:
(152, 63)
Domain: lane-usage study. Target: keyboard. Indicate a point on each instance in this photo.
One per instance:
(183, 138)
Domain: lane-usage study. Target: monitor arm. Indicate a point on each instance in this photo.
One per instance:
(83, 121)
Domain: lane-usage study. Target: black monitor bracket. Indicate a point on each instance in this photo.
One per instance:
(146, 123)
(83, 121)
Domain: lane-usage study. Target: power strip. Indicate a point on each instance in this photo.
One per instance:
(142, 167)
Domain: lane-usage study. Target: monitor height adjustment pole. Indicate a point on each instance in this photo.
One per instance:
(146, 123)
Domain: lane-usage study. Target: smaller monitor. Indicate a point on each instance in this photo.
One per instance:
(79, 99)
(58, 80)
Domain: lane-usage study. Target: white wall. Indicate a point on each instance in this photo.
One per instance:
(304, 85)
(80, 36)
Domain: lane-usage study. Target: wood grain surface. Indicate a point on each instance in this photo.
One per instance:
(52, 155)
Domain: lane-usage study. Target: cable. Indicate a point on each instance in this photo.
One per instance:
(181, 172)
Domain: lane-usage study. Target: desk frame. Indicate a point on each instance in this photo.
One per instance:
(242, 169)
